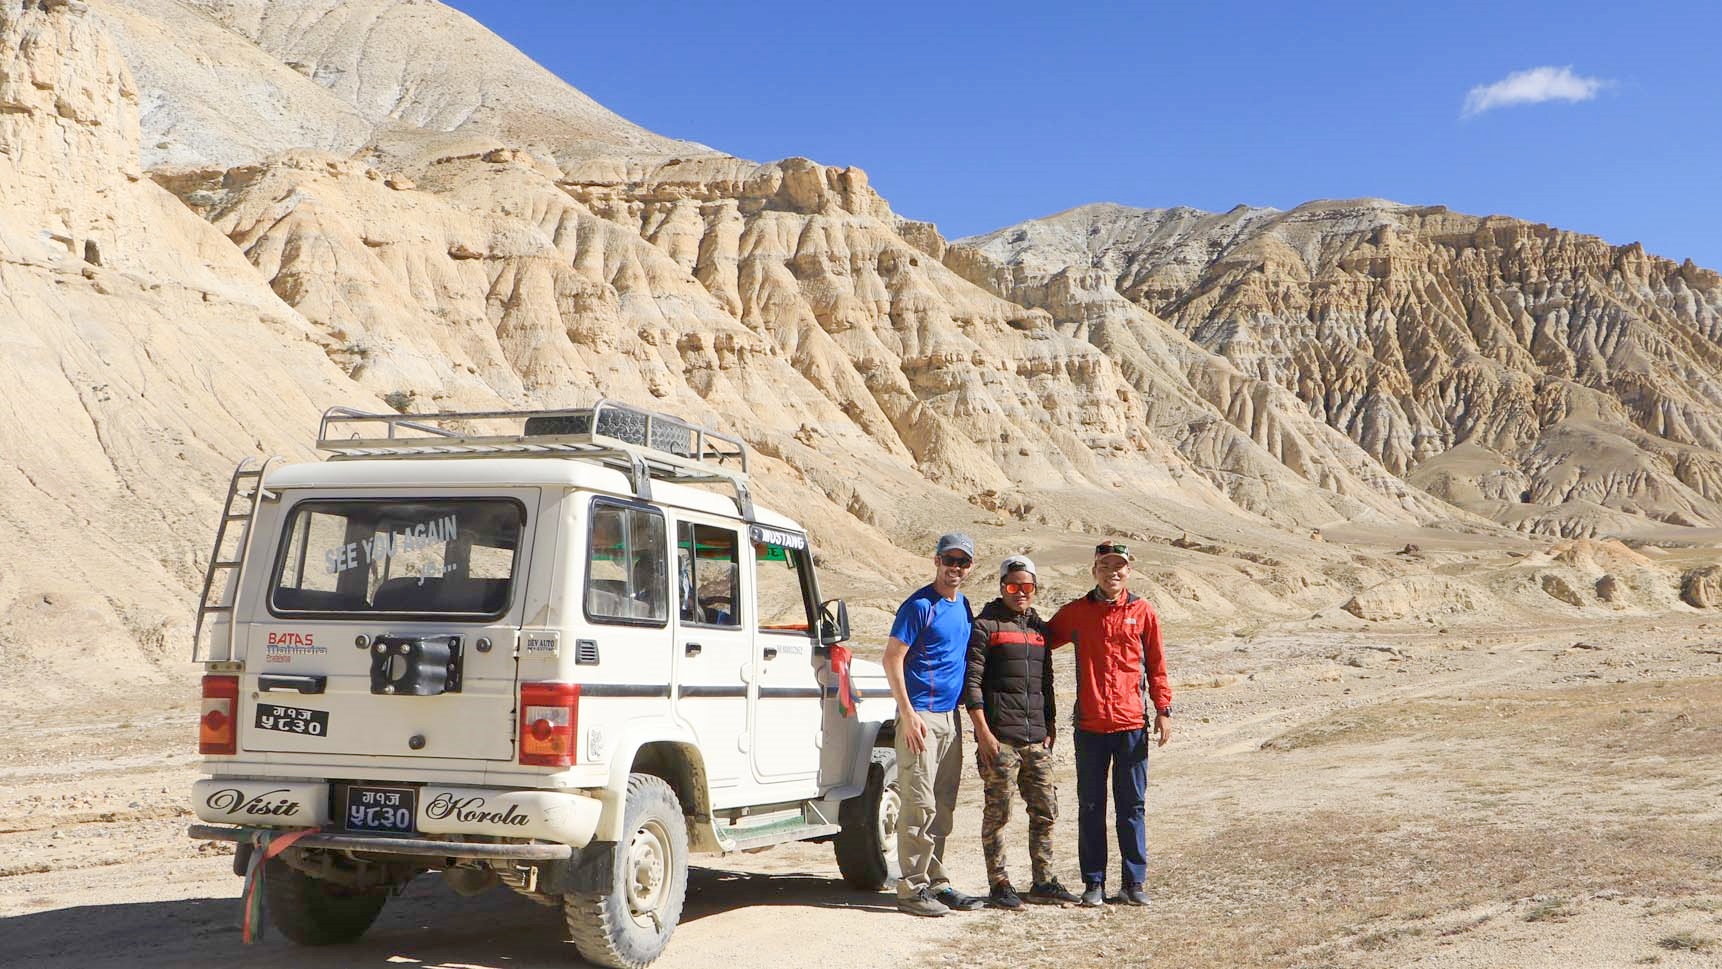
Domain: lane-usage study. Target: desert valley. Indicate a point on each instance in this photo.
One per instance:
(1428, 502)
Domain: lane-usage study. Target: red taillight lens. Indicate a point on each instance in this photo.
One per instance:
(549, 718)
(217, 733)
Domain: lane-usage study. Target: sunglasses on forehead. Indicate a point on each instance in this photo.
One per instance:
(1016, 588)
(1112, 548)
(957, 561)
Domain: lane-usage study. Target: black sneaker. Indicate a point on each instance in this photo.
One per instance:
(921, 903)
(956, 901)
(1004, 896)
(1133, 895)
(1093, 896)
(1050, 892)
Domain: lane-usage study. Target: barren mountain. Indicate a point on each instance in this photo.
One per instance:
(1540, 377)
(230, 82)
(219, 218)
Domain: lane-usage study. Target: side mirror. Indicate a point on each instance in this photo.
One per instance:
(833, 622)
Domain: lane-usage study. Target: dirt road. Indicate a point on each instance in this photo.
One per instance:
(1548, 797)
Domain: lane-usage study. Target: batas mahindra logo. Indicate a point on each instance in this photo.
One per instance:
(281, 647)
(232, 800)
(470, 810)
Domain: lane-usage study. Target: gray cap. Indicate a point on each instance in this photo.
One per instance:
(956, 541)
(1016, 563)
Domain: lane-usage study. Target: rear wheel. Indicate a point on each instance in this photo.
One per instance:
(311, 911)
(631, 924)
(867, 844)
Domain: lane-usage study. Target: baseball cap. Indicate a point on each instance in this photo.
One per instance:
(1016, 563)
(955, 541)
(1110, 547)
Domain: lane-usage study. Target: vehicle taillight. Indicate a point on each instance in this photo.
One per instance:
(549, 716)
(217, 732)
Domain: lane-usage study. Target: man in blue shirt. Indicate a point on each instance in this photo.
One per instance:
(925, 660)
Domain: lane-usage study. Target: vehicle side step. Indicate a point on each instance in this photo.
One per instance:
(773, 834)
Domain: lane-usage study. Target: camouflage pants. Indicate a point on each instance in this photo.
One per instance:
(1028, 768)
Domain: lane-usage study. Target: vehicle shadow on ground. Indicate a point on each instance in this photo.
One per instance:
(428, 925)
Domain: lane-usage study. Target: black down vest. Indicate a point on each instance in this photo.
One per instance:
(1010, 674)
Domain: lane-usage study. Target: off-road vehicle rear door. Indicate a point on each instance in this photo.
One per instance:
(389, 627)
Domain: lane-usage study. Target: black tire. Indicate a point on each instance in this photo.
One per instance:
(311, 911)
(629, 926)
(867, 844)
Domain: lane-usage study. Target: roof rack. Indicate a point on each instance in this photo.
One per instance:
(641, 443)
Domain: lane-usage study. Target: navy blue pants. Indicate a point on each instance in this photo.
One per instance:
(1126, 754)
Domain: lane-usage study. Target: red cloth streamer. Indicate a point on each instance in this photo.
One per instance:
(848, 697)
(268, 845)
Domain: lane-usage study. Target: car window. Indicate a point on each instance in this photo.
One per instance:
(783, 572)
(627, 575)
(421, 557)
(708, 569)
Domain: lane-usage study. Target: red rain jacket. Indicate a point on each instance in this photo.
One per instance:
(1119, 660)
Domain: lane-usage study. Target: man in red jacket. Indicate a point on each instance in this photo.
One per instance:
(1120, 672)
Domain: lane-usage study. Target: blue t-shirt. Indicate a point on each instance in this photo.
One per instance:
(937, 633)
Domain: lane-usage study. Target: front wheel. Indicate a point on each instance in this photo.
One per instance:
(630, 925)
(867, 844)
(311, 911)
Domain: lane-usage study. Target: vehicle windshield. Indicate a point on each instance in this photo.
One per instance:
(432, 557)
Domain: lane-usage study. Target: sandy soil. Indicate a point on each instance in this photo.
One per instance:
(1543, 797)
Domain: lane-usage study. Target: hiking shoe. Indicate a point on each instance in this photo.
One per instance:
(956, 901)
(1133, 895)
(1093, 896)
(1004, 896)
(921, 903)
(1050, 892)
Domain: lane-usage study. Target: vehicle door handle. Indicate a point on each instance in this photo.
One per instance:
(691, 649)
(270, 682)
(771, 652)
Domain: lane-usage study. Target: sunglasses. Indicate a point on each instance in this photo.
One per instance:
(957, 561)
(1014, 588)
(1111, 548)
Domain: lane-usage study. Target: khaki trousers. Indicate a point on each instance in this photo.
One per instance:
(927, 783)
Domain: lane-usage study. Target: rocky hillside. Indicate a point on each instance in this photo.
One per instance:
(402, 211)
(1539, 377)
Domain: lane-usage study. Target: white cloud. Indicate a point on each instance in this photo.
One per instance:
(1534, 86)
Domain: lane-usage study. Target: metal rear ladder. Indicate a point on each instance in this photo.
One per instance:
(244, 492)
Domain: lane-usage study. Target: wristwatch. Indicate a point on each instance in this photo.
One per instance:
(1163, 712)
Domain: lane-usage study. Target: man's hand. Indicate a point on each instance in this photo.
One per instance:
(986, 747)
(914, 732)
(1050, 736)
(1163, 727)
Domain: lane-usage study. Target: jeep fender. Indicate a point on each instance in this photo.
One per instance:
(666, 748)
(868, 734)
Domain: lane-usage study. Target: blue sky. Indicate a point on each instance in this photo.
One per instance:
(975, 116)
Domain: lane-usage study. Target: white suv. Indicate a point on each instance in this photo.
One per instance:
(555, 650)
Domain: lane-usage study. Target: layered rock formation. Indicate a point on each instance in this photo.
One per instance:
(142, 355)
(235, 81)
(1540, 377)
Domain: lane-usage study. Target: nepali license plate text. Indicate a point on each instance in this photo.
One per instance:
(387, 810)
(311, 723)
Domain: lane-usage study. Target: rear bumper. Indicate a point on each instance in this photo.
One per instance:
(377, 844)
(566, 818)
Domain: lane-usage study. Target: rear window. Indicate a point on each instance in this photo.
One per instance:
(436, 557)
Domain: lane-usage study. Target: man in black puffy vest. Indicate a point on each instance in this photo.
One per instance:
(1008, 693)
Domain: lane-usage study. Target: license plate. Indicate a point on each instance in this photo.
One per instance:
(311, 723)
(382, 810)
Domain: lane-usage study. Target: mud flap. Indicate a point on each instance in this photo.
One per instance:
(591, 871)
